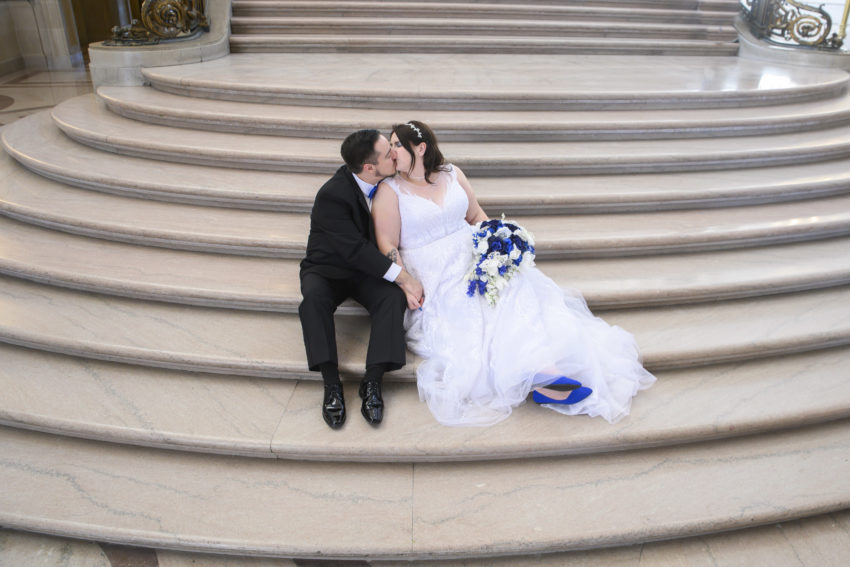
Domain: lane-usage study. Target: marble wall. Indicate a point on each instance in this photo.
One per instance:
(10, 53)
(38, 34)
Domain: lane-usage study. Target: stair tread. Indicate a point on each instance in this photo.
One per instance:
(256, 343)
(228, 280)
(150, 105)
(26, 196)
(525, 80)
(817, 540)
(29, 197)
(37, 143)
(486, 9)
(186, 501)
(86, 121)
(189, 411)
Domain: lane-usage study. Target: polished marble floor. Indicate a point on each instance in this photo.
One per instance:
(28, 91)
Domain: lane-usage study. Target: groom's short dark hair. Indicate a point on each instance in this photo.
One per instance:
(359, 148)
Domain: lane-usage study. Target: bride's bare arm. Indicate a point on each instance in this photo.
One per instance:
(474, 214)
(387, 223)
(387, 220)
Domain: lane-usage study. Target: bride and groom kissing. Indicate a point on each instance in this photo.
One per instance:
(393, 230)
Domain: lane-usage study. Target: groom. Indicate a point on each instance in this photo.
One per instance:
(343, 261)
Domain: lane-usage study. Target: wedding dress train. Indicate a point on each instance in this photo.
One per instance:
(480, 361)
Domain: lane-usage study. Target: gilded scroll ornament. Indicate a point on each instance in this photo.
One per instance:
(163, 20)
(792, 21)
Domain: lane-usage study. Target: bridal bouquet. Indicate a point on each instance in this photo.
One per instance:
(500, 250)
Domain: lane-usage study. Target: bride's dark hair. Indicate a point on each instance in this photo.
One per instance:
(414, 133)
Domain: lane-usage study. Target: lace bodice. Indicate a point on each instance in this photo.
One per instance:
(425, 219)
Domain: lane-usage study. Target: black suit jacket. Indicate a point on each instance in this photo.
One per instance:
(342, 235)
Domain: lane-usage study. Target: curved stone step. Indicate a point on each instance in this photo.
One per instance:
(525, 82)
(154, 498)
(577, 11)
(29, 198)
(88, 122)
(462, 44)
(40, 146)
(157, 107)
(189, 411)
(691, 5)
(252, 343)
(409, 25)
(818, 540)
(265, 284)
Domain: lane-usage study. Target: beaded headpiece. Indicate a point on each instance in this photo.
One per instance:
(418, 131)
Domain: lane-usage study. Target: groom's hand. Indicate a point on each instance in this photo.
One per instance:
(412, 289)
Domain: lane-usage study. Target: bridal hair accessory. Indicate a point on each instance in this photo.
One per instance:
(418, 131)
(500, 250)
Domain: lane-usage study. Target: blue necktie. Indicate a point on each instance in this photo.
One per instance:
(372, 192)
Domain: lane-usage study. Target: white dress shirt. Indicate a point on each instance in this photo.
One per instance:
(395, 269)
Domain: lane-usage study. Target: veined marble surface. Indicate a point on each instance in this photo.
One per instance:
(35, 199)
(28, 91)
(43, 148)
(78, 397)
(562, 77)
(257, 506)
(150, 105)
(271, 344)
(820, 540)
(272, 284)
(89, 122)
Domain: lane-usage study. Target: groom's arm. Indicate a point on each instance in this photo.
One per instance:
(332, 221)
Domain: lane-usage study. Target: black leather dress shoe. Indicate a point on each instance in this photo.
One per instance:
(333, 407)
(373, 404)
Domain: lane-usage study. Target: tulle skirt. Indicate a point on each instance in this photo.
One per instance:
(481, 361)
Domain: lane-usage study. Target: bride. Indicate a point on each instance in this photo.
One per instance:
(480, 361)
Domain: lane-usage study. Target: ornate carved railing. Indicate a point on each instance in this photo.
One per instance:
(793, 22)
(163, 20)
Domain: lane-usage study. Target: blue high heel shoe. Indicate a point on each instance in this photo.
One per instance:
(575, 396)
(563, 384)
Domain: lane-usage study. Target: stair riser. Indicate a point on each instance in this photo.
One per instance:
(579, 15)
(450, 132)
(714, 34)
(246, 44)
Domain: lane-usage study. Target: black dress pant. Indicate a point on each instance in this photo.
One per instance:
(385, 302)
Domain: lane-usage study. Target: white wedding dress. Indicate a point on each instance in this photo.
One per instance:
(481, 361)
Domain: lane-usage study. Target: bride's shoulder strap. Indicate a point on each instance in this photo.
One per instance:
(392, 182)
(451, 170)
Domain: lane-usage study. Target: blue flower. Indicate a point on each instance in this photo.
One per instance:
(499, 249)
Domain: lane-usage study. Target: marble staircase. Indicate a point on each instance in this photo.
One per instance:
(155, 387)
(676, 27)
